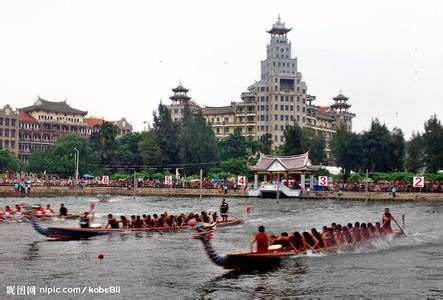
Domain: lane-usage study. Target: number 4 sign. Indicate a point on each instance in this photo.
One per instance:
(418, 182)
(241, 180)
(322, 180)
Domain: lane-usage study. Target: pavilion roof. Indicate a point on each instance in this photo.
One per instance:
(60, 107)
(299, 162)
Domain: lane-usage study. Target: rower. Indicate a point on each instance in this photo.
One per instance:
(224, 208)
(49, 211)
(124, 221)
(112, 222)
(262, 240)
(63, 212)
(387, 217)
(84, 220)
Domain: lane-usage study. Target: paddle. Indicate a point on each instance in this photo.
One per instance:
(401, 230)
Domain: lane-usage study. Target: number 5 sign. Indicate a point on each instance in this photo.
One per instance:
(105, 180)
(241, 180)
(168, 180)
(322, 180)
(418, 182)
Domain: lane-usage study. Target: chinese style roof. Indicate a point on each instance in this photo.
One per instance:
(271, 163)
(279, 28)
(217, 110)
(60, 107)
(25, 117)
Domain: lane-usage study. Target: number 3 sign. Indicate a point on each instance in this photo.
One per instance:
(418, 182)
(322, 180)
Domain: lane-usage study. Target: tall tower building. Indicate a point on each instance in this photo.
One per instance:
(179, 100)
(280, 93)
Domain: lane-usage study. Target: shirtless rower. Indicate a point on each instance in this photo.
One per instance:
(112, 222)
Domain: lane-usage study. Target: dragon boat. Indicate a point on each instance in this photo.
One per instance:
(27, 218)
(254, 260)
(63, 233)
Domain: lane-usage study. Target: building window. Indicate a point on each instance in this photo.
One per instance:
(275, 138)
(282, 117)
(282, 98)
(226, 130)
(6, 144)
(286, 118)
(1, 132)
(298, 107)
(1, 121)
(276, 79)
(267, 128)
(275, 127)
(282, 138)
(267, 107)
(304, 109)
(262, 118)
(282, 128)
(291, 107)
(12, 122)
(262, 128)
(286, 107)
(275, 98)
(303, 119)
(6, 123)
(276, 107)
(275, 117)
(292, 98)
(6, 133)
(298, 118)
(267, 118)
(267, 99)
(282, 107)
(12, 132)
(292, 118)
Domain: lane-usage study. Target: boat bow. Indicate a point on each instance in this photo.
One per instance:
(204, 234)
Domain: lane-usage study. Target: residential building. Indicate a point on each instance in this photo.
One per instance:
(9, 129)
(44, 121)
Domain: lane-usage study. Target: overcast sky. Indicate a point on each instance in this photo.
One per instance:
(119, 58)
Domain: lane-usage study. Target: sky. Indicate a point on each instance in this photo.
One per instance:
(120, 58)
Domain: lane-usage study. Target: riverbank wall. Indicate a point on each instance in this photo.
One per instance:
(50, 191)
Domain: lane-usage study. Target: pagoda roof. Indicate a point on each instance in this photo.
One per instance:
(217, 110)
(300, 162)
(180, 88)
(60, 107)
(341, 105)
(340, 96)
(279, 27)
(178, 97)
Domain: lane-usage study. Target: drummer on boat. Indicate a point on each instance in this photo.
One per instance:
(63, 212)
(84, 220)
(224, 208)
(387, 218)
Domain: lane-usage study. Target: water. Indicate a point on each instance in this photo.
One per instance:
(173, 265)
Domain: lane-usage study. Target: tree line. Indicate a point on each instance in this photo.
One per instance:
(190, 145)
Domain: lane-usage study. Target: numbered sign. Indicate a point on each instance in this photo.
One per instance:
(323, 180)
(168, 180)
(418, 182)
(105, 180)
(241, 180)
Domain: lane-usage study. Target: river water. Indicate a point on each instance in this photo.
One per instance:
(173, 265)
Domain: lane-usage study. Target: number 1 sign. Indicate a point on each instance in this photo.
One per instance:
(418, 182)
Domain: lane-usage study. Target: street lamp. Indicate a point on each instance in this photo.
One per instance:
(77, 158)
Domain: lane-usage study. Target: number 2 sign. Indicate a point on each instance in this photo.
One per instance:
(418, 182)
(322, 180)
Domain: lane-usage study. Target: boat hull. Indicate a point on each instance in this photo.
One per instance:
(62, 233)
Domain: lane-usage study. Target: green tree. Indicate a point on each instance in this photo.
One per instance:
(9, 162)
(266, 143)
(167, 135)
(149, 149)
(346, 149)
(197, 142)
(128, 149)
(316, 144)
(415, 153)
(433, 144)
(397, 150)
(104, 142)
(234, 145)
(293, 140)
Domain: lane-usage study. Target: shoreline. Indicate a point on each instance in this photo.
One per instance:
(50, 191)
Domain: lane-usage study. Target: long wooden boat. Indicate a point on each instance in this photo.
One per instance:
(251, 260)
(103, 197)
(63, 233)
(27, 218)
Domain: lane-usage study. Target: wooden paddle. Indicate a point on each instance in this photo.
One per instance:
(401, 230)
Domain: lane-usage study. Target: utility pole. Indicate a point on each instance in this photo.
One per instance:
(366, 188)
(278, 186)
(201, 183)
(77, 158)
(135, 183)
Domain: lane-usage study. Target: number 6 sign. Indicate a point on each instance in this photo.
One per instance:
(322, 180)
(418, 182)
(105, 180)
